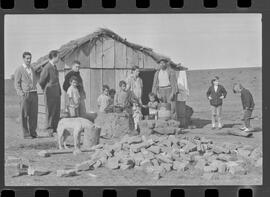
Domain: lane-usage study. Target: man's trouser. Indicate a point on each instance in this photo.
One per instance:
(29, 113)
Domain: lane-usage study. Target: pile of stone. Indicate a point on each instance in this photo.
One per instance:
(163, 127)
(158, 155)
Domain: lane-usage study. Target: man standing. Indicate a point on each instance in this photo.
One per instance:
(49, 82)
(134, 83)
(75, 71)
(25, 84)
(165, 84)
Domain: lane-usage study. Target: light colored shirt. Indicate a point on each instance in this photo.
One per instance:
(29, 71)
(183, 91)
(74, 96)
(215, 88)
(135, 85)
(103, 102)
(121, 98)
(163, 78)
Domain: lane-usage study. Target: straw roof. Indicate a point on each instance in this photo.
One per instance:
(67, 49)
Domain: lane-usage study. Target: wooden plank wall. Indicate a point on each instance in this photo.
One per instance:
(95, 87)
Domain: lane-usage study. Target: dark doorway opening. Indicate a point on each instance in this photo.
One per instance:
(147, 77)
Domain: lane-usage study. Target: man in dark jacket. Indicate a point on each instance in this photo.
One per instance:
(247, 102)
(49, 82)
(75, 71)
(215, 94)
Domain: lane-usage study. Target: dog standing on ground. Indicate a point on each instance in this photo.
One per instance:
(68, 125)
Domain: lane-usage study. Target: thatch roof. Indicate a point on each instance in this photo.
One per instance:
(67, 49)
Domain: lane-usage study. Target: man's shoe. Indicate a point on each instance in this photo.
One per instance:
(247, 130)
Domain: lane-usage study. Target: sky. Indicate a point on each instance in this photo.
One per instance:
(197, 41)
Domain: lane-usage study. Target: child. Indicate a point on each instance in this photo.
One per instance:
(124, 99)
(153, 106)
(73, 97)
(216, 93)
(110, 107)
(104, 99)
(137, 115)
(247, 102)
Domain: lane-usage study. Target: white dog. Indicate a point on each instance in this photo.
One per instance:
(68, 125)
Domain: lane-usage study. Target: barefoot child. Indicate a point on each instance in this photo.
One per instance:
(153, 107)
(247, 102)
(215, 94)
(73, 97)
(104, 99)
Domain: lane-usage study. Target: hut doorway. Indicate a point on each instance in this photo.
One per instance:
(147, 77)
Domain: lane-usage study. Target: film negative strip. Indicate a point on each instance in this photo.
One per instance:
(134, 97)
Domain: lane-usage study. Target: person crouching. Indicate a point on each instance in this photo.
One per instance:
(247, 102)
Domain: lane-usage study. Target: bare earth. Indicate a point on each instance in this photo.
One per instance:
(198, 83)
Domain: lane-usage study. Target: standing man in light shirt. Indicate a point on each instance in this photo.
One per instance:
(165, 84)
(134, 83)
(49, 82)
(25, 84)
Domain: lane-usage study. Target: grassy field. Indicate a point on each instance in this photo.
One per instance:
(199, 81)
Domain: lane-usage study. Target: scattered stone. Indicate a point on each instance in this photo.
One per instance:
(167, 166)
(190, 147)
(173, 123)
(243, 153)
(113, 163)
(256, 154)
(92, 175)
(237, 170)
(44, 153)
(154, 149)
(210, 168)
(209, 176)
(84, 166)
(135, 140)
(160, 124)
(221, 166)
(259, 163)
(37, 171)
(180, 166)
(200, 164)
(218, 149)
(164, 159)
(165, 130)
(66, 173)
(146, 131)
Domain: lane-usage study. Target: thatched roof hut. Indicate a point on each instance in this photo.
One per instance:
(106, 58)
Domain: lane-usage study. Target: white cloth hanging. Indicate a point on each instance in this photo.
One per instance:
(182, 86)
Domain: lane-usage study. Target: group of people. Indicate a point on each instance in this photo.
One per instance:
(167, 88)
(216, 93)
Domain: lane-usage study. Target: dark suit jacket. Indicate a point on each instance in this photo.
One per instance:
(49, 81)
(23, 82)
(216, 100)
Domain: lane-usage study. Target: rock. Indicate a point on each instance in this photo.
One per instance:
(22, 169)
(66, 173)
(206, 141)
(190, 147)
(155, 138)
(154, 149)
(248, 147)
(145, 131)
(210, 168)
(44, 153)
(180, 166)
(146, 164)
(209, 176)
(160, 124)
(173, 123)
(218, 149)
(200, 164)
(135, 140)
(113, 163)
(137, 147)
(149, 155)
(256, 154)
(162, 158)
(243, 153)
(167, 166)
(97, 164)
(155, 162)
(259, 163)
(84, 166)
(138, 158)
(237, 170)
(124, 166)
(221, 166)
(37, 171)
(158, 172)
(225, 157)
(166, 130)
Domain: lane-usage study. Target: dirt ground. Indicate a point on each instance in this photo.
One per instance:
(28, 149)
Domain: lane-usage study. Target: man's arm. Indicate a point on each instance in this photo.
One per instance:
(66, 82)
(208, 93)
(18, 82)
(224, 92)
(154, 88)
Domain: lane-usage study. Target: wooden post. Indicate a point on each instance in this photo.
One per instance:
(91, 137)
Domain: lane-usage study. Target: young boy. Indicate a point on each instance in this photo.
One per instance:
(73, 97)
(153, 107)
(215, 94)
(247, 102)
(104, 99)
(125, 99)
(110, 107)
(137, 115)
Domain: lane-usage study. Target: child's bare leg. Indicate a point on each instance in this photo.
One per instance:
(65, 135)
(60, 140)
